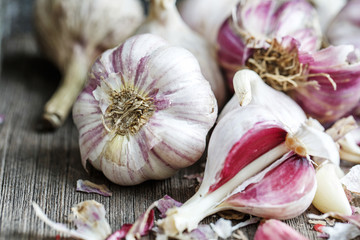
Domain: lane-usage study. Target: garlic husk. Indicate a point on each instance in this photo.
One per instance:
(88, 217)
(166, 108)
(256, 24)
(164, 20)
(275, 229)
(349, 146)
(330, 195)
(345, 27)
(251, 89)
(72, 34)
(206, 16)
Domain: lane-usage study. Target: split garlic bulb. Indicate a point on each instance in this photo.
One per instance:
(145, 112)
(72, 34)
(164, 20)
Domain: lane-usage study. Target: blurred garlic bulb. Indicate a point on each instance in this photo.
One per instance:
(206, 16)
(164, 20)
(145, 112)
(72, 34)
(345, 27)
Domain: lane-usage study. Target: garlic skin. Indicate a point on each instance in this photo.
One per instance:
(327, 11)
(145, 112)
(345, 27)
(164, 20)
(72, 34)
(206, 16)
(330, 195)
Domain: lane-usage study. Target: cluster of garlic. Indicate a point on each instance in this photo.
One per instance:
(150, 100)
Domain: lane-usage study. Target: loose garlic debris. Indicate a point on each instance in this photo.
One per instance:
(72, 33)
(145, 112)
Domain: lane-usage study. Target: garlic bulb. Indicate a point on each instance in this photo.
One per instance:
(251, 154)
(145, 112)
(72, 34)
(206, 16)
(327, 10)
(345, 27)
(164, 20)
(280, 40)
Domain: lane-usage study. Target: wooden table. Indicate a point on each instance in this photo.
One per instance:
(44, 166)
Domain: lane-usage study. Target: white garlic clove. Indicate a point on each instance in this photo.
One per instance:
(145, 112)
(349, 146)
(284, 192)
(330, 195)
(72, 34)
(164, 20)
(251, 89)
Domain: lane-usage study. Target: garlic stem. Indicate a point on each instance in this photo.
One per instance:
(199, 206)
(58, 107)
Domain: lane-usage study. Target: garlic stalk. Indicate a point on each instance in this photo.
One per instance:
(345, 27)
(206, 16)
(284, 50)
(72, 34)
(330, 195)
(164, 20)
(145, 111)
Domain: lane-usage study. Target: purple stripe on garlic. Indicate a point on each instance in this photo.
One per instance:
(154, 111)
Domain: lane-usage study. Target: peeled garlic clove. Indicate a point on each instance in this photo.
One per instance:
(72, 34)
(206, 16)
(251, 89)
(344, 28)
(284, 192)
(275, 229)
(164, 20)
(330, 195)
(145, 112)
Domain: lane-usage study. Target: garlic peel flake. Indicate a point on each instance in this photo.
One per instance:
(145, 112)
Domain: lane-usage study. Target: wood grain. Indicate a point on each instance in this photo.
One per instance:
(44, 167)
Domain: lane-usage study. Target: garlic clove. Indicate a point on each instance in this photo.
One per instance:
(251, 89)
(275, 229)
(72, 34)
(145, 112)
(349, 146)
(330, 195)
(284, 192)
(165, 21)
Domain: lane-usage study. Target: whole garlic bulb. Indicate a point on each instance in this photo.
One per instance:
(72, 34)
(145, 112)
(164, 20)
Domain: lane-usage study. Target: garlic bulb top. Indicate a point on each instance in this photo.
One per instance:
(206, 16)
(72, 34)
(164, 20)
(145, 112)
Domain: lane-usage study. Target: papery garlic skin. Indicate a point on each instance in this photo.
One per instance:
(206, 16)
(172, 111)
(164, 20)
(330, 195)
(72, 34)
(345, 27)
